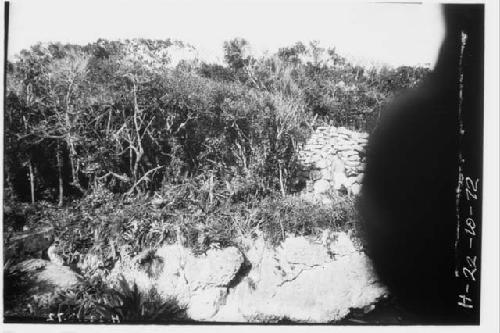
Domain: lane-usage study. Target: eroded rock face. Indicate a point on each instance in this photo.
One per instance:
(303, 280)
(198, 282)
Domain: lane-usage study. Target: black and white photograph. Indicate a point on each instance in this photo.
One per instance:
(268, 163)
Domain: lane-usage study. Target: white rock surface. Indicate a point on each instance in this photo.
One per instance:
(300, 281)
(303, 280)
(355, 189)
(43, 271)
(198, 282)
(321, 186)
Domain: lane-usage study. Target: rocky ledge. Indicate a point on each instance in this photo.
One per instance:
(302, 280)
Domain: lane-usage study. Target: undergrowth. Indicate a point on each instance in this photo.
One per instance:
(102, 227)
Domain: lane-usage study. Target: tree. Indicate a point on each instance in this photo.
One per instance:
(67, 82)
(237, 56)
(25, 115)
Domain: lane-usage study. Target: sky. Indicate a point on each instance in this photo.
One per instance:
(368, 33)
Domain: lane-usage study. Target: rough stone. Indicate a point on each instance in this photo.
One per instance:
(352, 164)
(350, 181)
(321, 186)
(42, 279)
(301, 282)
(342, 245)
(214, 269)
(198, 282)
(339, 179)
(343, 148)
(27, 243)
(355, 189)
(323, 163)
(204, 304)
(327, 174)
(315, 175)
(299, 251)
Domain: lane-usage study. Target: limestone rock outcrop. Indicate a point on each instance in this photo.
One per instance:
(303, 279)
(198, 282)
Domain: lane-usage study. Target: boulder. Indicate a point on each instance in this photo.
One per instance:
(315, 175)
(339, 179)
(343, 147)
(216, 268)
(321, 186)
(350, 181)
(342, 245)
(322, 163)
(40, 280)
(199, 282)
(45, 273)
(338, 165)
(351, 172)
(355, 189)
(204, 304)
(300, 281)
(327, 174)
(29, 243)
(353, 157)
(359, 148)
(351, 164)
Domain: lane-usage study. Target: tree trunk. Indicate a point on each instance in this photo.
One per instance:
(139, 151)
(109, 121)
(32, 181)
(59, 175)
(211, 189)
(74, 170)
(69, 140)
(282, 185)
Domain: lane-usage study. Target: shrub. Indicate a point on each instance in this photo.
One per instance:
(279, 217)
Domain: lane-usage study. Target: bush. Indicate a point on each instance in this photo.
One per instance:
(93, 301)
(280, 217)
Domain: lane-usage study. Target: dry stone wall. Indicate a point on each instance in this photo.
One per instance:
(333, 159)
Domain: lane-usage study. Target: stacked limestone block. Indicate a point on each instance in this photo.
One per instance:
(333, 159)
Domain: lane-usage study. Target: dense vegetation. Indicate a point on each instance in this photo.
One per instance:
(121, 116)
(119, 148)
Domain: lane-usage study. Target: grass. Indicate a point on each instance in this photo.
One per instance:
(106, 227)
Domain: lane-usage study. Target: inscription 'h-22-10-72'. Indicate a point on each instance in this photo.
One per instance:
(469, 267)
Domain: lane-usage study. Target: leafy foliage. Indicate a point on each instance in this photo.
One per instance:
(121, 150)
(93, 301)
(119, 114)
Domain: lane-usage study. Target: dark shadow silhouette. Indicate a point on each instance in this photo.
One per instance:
(408, 197)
